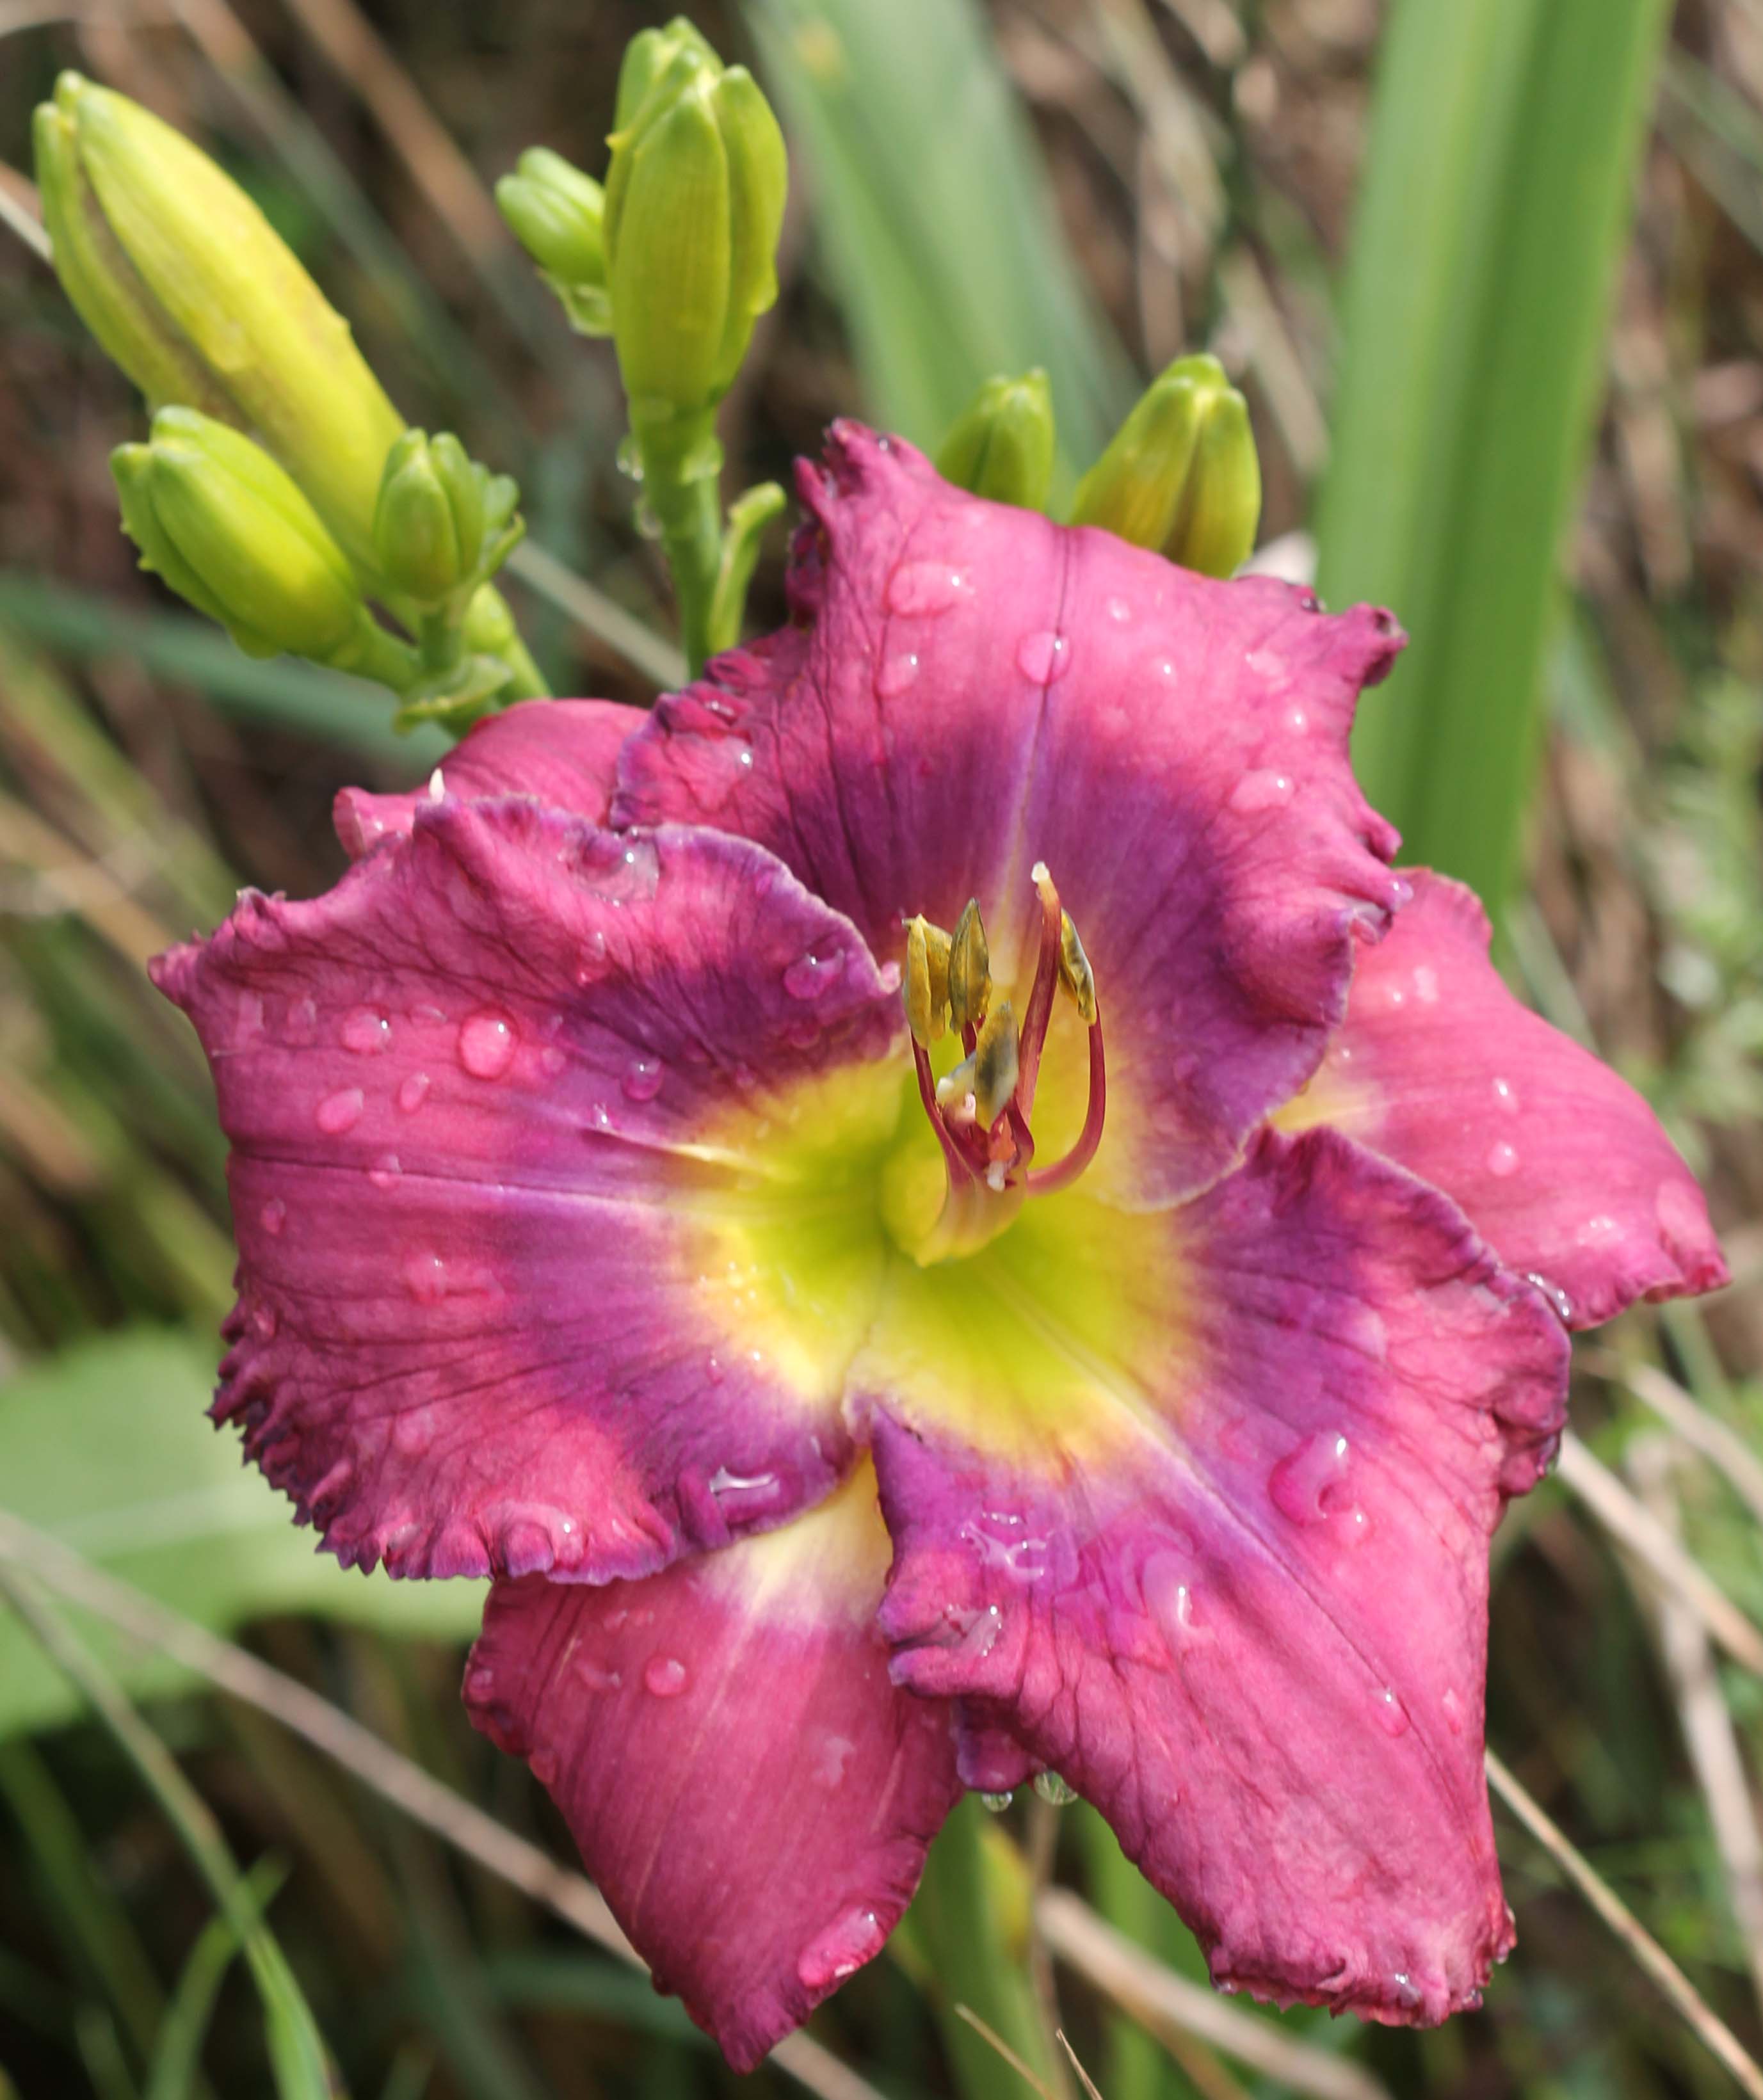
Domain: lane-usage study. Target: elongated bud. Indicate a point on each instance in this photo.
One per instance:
(440, 523)
(188, 288)
(216, 518)
(1181, 475)
(1002, 446)
(694, 207)
(558, 215)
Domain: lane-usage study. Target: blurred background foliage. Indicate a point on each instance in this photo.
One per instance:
(1489, 271)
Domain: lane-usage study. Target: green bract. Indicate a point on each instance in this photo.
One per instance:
(216, 518)
(1002, 446)
(1181, 474)
(694, 206)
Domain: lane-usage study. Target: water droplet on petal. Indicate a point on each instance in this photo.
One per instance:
(1262, 789)
(833, 1753)
(664, 1675)
(841, 1950)
(590, 960)
(1505, 1096)
(411, 1093)
(1296, 721)
(366, 1031)
(340, 1111)
(713, 1370)
(1392, 1715)
(1406, 1994)
(264, 1322)
(1119, 611)
(487, 1041)
(273, 1216)
(897, 674)
(479, 1682)
(1452, 1707)
(1598, 1231)
(996, 1802)
(643, 1079)
(1557, 1297)
(1308, 1484)
(303, 1020)
(1043, 657)
(811, 976)
(927, 588)
(385, 1171)
(1054, 1789)
(425, 1277)
(1502, 1160)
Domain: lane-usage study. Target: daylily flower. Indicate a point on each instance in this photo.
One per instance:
(934, 1209)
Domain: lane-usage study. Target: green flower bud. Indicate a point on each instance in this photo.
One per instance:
(557, 213)
(1182, 474)
(648, 55)
(216, 518)
(693, 206)
(1002, 446)
(188, 288)
(443, 522)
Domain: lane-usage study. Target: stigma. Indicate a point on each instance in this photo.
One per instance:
(981, 1111)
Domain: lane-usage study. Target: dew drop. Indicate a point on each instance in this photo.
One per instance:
(264, 1322)
(833, 1753)
(643, 1079)
(590, 960)
(1309, 1482)
(996, 1802)
(340, 1111)
(487, 1042)
(425, 1277)
(1119, 611)
(1505, 1096)
(479, 1682)
(897, 674)
(1407, 1996)
(366, 1031)
(1557, 1297)
(1426, 985)
(1060, 1793)
(1392, 1715)
(1164, 668)
(1043, 657)
(841, 1950)
(303, 1020)
(273, 1216)
(664, 1675)
(412, 1093)
(927, 588)
(1598, 1231)
(812, 975)
(385, 1171)
(1502, 1160)
(1452, 1707)
(713, 1370)
(1262, 789)
(1296, 721)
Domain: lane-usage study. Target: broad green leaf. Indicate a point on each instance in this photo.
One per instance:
(1495, 206)
(933, 219)
(107, 1447)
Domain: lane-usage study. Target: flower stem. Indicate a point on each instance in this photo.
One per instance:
(687, 505)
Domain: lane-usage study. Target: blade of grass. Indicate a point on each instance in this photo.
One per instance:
(935, 221)
(1704, 2022)
(296, 2051)
(1503, 145)
(284, 692)
(176, 2073)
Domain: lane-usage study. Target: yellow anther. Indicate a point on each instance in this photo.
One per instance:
(927, 980)
(987, 1079)
(1075, 972)
(969, 969)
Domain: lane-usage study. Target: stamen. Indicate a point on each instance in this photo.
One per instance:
(980, 1087)
(969, 970)
(980, 1110)
(927, 980)
(1048, 1180)
(1047, 974)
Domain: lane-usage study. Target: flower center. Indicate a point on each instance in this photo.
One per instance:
(980, 1111)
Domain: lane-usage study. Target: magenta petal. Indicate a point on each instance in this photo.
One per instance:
(480, 1098)
(978, 689)
(565, 752)
(1558, 1163)
(1246, 1615)
(752, 1793)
